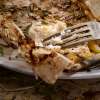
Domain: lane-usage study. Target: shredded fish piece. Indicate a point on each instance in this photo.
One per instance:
(43, 59)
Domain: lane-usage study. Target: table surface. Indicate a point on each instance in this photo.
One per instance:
(16, 86)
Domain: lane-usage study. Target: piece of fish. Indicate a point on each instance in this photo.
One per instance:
(46, 62)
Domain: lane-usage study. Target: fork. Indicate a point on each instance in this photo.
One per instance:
(76, 34)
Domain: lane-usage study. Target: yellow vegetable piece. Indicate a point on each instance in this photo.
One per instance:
(94, 47)
(73, 57)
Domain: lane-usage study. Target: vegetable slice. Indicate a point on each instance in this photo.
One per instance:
(94, 47)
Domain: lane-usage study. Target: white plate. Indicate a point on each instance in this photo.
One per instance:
(25, 68)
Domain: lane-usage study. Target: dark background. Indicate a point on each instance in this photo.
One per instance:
(16, 86)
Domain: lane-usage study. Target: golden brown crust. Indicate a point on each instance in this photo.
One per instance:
(91, 8)
(85, 9)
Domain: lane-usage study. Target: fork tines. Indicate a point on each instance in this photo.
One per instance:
(72, 35)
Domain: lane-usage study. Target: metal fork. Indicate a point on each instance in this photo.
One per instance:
(76, 34)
